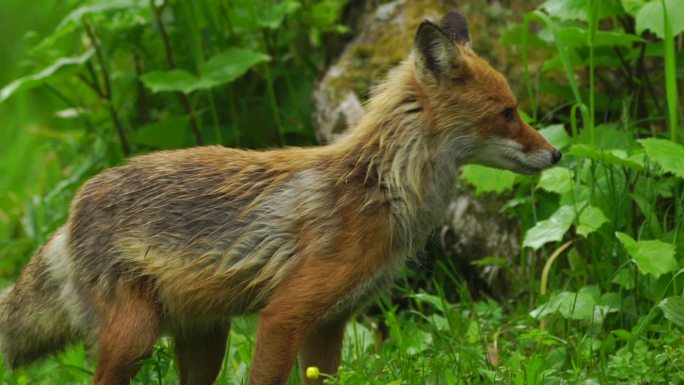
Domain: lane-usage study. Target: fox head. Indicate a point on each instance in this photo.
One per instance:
(472, 104)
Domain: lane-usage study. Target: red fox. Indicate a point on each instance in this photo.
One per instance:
(179, 242)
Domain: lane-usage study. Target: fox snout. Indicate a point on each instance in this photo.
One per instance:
(528, 154)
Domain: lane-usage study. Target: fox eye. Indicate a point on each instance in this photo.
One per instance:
(508, 114)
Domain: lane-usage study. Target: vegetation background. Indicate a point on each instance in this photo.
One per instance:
(593, 297)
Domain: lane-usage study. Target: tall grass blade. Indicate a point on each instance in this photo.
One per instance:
(670, 76)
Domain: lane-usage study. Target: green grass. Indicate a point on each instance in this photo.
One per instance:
(482, 342)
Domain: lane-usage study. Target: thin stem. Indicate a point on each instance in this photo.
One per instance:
(106, 95)
(593, 26)
(183, 98)
(143, 116)
(86, 122)
(670, 75)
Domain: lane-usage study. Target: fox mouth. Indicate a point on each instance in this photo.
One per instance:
(528, 170)
(522, 167)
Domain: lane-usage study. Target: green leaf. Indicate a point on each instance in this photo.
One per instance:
(487, 179)
(578, 10)
(668, 154)
(550, 230)
(220, 69)
(590, 220)
(615, 157)
(272, 16)
(59, 67)
(165, 135)
(556, 180)
(625, 278)
(417, 341)
(652, 256)
(357, 334)
(74, 20)
(172, 80)
(673, 308)
(439, 303)
(632, 7)
(578, 37)
(556, 135)
(651, 17)
(584, 305)
(76, 16)
(229, 65)
(490, 261)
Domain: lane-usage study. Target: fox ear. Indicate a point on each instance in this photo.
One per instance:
(438, 56)
(455, 25)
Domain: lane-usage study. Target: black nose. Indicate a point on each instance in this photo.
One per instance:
(556, 156)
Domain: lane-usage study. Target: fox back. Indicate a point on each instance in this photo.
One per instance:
(178, 242)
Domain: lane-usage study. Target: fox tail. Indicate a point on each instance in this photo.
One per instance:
(35, 312)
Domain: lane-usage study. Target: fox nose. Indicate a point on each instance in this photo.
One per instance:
(556, 156)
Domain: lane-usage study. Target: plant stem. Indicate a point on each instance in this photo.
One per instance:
(670, 75)
(106, 94)
(183, 98)
(143, 116)
(593, 26)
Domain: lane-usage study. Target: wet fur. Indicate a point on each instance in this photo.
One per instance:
(178, 242)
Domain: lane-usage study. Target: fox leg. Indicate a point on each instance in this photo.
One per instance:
(322, 348)
(200, 354)
(129, 327)
(294, 309)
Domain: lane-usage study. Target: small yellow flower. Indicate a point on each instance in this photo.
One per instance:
(312, 372)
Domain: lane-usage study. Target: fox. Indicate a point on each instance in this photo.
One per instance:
(178, 242)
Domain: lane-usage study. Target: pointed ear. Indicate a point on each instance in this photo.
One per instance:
(455, 25)
(437, 57)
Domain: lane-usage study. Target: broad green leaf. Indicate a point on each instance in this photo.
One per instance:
(632, 7)
(272, 16)
(585, 305)
(74, 20)
(229, 65)
(625, 278)
(59, 67)
(487, 179)
(76, 16)
(651, 17)
(615, 157)
(578, 37)
(550, 230)
(590, 220)
(220, 69)
(578, 10)
(417, 341)
(556, 135)
(556, 180)
(673, 308)
(668, 154)
(652, 256)
(172, 80)
(577, 197)
(165, 135)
